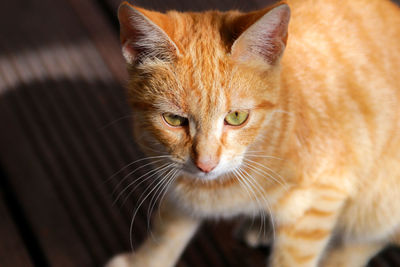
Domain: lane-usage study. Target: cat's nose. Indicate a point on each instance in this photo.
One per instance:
(206, 165)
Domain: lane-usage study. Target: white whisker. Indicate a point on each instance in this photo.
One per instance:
(251, 164)
(115, 121)
(158, 192)
(130, 164)
(141, 203)
(153, 200)
(174, 175)
(153, 171)
(132, 172)
(261, 156)
(268, 204)
(260, 207)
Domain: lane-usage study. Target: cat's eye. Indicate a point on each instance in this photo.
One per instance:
(174, 120)
(237, 117)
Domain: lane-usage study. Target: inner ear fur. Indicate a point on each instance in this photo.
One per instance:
(261, 34)
(142, 34)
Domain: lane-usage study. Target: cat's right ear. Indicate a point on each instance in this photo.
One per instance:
(141, 37)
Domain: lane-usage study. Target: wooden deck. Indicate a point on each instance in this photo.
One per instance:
(66, 130)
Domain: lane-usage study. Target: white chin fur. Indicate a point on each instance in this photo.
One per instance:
(223, 168)
(204, 176)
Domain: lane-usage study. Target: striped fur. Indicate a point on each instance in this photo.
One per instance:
(321, 148)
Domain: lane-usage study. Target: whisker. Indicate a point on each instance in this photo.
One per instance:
(172, 180)
(260, 208)
(250, 163)
(261, 156)
(164, 179)
(115, 121)
(237, 175)
(158, 173)
(130, 164)
(153, 171)
(138, 207)
(252, 187)
(247, 191)
(132, 172)
(144, 147)
(268, 204)
(263, 173)
(157, 194)
(169, 179)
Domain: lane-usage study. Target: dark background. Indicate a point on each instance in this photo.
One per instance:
(65, 130)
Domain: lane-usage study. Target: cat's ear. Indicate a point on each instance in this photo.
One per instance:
(141, 35)
(265, 38)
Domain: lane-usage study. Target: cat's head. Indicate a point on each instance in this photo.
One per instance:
(203, 85)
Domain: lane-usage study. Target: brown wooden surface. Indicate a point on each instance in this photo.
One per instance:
(12, 248)
(66, 129)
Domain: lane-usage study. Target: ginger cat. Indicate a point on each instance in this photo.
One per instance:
(250, 114)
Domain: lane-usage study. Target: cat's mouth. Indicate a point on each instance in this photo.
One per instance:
(219, 172)
(195, 173)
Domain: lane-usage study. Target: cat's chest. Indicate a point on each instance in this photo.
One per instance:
(218, 202)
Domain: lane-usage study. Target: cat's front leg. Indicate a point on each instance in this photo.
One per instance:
(302, 241)
(352, 255)
(172, 230)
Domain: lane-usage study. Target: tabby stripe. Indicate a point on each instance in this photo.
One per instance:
(325, 187)
(297, 255)
(311, 235)
(331, 198)
(358, 99)
(319, 213)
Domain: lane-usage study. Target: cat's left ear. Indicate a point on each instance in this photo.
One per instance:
(266, 38)
(142, 35)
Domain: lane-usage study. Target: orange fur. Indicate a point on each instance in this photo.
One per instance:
(326, 114)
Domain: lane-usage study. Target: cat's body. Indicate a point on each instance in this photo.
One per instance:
(320, 148)
(344, 60)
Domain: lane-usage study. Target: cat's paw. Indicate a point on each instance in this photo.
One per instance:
(122, 260)
(254, 233)
(336, 261)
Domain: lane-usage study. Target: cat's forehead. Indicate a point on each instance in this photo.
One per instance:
(193, 28)
(211, 86)
(204, 74)
(202, 66)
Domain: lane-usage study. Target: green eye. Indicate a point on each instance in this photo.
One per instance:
(174, 120)
(237, 117)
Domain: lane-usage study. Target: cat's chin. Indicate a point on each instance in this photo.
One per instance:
(211, 176)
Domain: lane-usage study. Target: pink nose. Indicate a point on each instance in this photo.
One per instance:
(206, 166)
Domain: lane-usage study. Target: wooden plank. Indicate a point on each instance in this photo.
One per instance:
(194, 5)
(13, 252)
(48, 140)
(103, 35)
(390, 256)
(47, 215)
